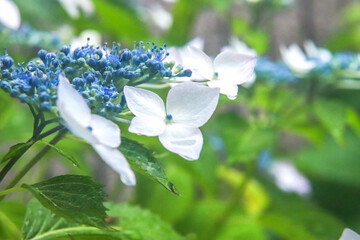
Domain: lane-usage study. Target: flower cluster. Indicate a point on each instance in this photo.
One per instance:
(97, 74)
(277, 72)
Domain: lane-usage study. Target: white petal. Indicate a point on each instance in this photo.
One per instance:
(201, 63)
(116, 160)
(174, 56)
(105, 131)
(144, 103)
(235, 67)
(191, 104)
(197, 42)
(9, 14)
(349, 234)
(74, 110)
(296, 59)
(150, 126)
(228, 89)
(183, 140)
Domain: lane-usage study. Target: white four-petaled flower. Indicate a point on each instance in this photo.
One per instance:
(101, 133)
(226, 72)
(188, 107)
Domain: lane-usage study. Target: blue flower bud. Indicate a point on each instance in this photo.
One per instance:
(65, 50)
(78, 82)
(44, 96)
(5, 85)
(92, 62)
(45, 106)
(15, 92)
(24, 98)
(66, 60)
(125, 56)
(7, 62)
(42, 55)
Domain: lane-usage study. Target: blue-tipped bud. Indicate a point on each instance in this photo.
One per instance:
(44, 96)
(7, 62)
(24, 98)
(126, 56)
(45, 106)
(65, 50)
(5, 85)
(42, 55)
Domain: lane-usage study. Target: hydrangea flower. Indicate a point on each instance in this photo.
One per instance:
(101, 133)
(188, 107)
(297, 61)
(99, 76)
(228, 70)
(349, 234)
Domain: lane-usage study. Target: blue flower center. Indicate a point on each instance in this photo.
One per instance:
(89, 128)
(169, 117)
(216, 76)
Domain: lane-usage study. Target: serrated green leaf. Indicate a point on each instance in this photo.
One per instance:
(143, 161)
(142, 222)
(74, 197)
(64, 154)
(41, 224)
(16, 150)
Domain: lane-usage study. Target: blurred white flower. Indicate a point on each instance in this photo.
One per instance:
(349, 234)
(296, 60)
(289, 179)
(227, 71)
(188, 107)
(314, 52)
(101, 133)
(158, 15)
(72, 7)
(9, 14)
(238, 46)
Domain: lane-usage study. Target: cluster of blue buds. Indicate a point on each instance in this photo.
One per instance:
(277, 72)
(97, 74)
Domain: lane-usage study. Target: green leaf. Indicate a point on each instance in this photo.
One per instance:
(333, 163)
(41, 224)
(147, 225)
(16, 150)
(11, 218)
(332, 115)
(63, 153)
(73, 197)
(143, 161)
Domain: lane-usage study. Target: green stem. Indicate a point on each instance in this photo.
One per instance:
(34, 160)
(236, 196)
(10, 190)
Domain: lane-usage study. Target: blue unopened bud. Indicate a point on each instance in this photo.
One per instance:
(42, 55)
(5, 85)
(44, 96)
(66, 60)
(7, 62)
(99, 53)
(65, 50)
(90, 78)
(125, 56)
(186, 73)
(24, 98)
(50, 57)
(15, 92)
(45, 106)
(80, 62)
(5, 73)
(78, 82)
(31, 67)
(92, 62)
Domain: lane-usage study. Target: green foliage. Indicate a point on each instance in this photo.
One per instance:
(143, 161)
(42, 224)
(16, 151)
(11, 219)
(73, 197)
(255, 38)
(64, 154)
(332, 115)
(184, 14)
(141, 223)
(330, 162)
(293, 218)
